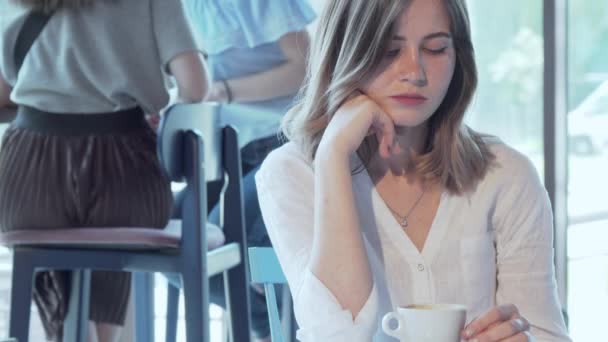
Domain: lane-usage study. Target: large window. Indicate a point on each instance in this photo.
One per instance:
(508, 41)
(587, 167)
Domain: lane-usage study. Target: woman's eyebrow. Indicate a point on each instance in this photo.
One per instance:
(440, 34)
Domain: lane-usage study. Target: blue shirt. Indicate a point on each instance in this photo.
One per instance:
(241, 38)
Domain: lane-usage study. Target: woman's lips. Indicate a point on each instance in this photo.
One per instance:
(409, 99)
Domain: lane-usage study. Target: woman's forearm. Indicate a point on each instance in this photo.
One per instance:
(338, 256)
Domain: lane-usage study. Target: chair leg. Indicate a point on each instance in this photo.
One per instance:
(273, 313)
(172, 310)
(197, 307)
(238, 299)
(293, 325)
(287, 321)
(229, 326)
(77, 319)
(21, 297)
(234, 229)
(143, 289)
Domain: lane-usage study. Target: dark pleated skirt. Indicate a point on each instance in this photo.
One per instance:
(89, 170)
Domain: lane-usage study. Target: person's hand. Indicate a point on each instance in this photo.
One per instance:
(357, 118)
(153, 121)
(501, 323)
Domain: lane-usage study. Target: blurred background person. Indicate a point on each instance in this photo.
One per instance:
(80, 153)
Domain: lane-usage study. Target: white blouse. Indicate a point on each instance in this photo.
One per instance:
(491, 246)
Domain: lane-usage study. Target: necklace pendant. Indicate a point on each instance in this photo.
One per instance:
(403, 222)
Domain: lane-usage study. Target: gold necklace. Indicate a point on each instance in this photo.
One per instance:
(403, 219)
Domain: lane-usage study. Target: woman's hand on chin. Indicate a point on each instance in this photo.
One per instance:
(357, 118)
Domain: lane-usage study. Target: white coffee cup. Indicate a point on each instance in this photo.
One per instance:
(426, 323)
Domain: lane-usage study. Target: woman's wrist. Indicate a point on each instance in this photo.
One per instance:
(330, 154)
(228, 96)
(334, 147)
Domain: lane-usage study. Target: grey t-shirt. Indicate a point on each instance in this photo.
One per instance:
(104, 58)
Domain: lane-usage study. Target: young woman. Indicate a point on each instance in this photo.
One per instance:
(80, 153)
(384, 198)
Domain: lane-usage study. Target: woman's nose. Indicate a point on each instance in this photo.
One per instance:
(411, 68)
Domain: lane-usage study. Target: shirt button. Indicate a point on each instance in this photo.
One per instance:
(420, 267)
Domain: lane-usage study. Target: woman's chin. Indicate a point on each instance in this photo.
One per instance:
(409, 117)
(410, 121)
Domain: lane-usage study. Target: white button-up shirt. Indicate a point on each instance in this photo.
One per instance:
(491, 246)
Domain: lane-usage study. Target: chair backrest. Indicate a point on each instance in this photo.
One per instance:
(202, 118)
(189, 137)
(194, 147)
(264, 266)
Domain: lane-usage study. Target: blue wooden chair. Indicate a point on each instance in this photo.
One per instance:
(265, 269)
(224, 186)
(188, 247)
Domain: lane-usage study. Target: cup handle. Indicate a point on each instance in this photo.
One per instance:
(387, 329)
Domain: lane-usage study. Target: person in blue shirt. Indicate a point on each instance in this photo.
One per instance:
(257, 60)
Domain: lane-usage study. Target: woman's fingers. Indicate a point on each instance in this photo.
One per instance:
(496, 314)
(381, 135)
(359, 116)
(521, 337)
(385, 133)
(504, 330)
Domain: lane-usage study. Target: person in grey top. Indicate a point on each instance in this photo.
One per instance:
(95, 61)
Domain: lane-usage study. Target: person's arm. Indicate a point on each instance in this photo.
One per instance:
(179, 54)
(285, 185)
(285, 79)
(338, 256)
(191, 78)
(313, 223)
(526, 293)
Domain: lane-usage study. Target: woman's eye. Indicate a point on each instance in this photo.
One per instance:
(435, 51)
(393, 53)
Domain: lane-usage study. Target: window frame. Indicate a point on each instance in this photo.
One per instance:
(555, 126)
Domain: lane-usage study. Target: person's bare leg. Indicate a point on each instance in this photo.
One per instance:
(92, 332)
(128, 330)
(108, 332)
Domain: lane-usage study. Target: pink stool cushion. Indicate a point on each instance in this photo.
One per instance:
(109, 238)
